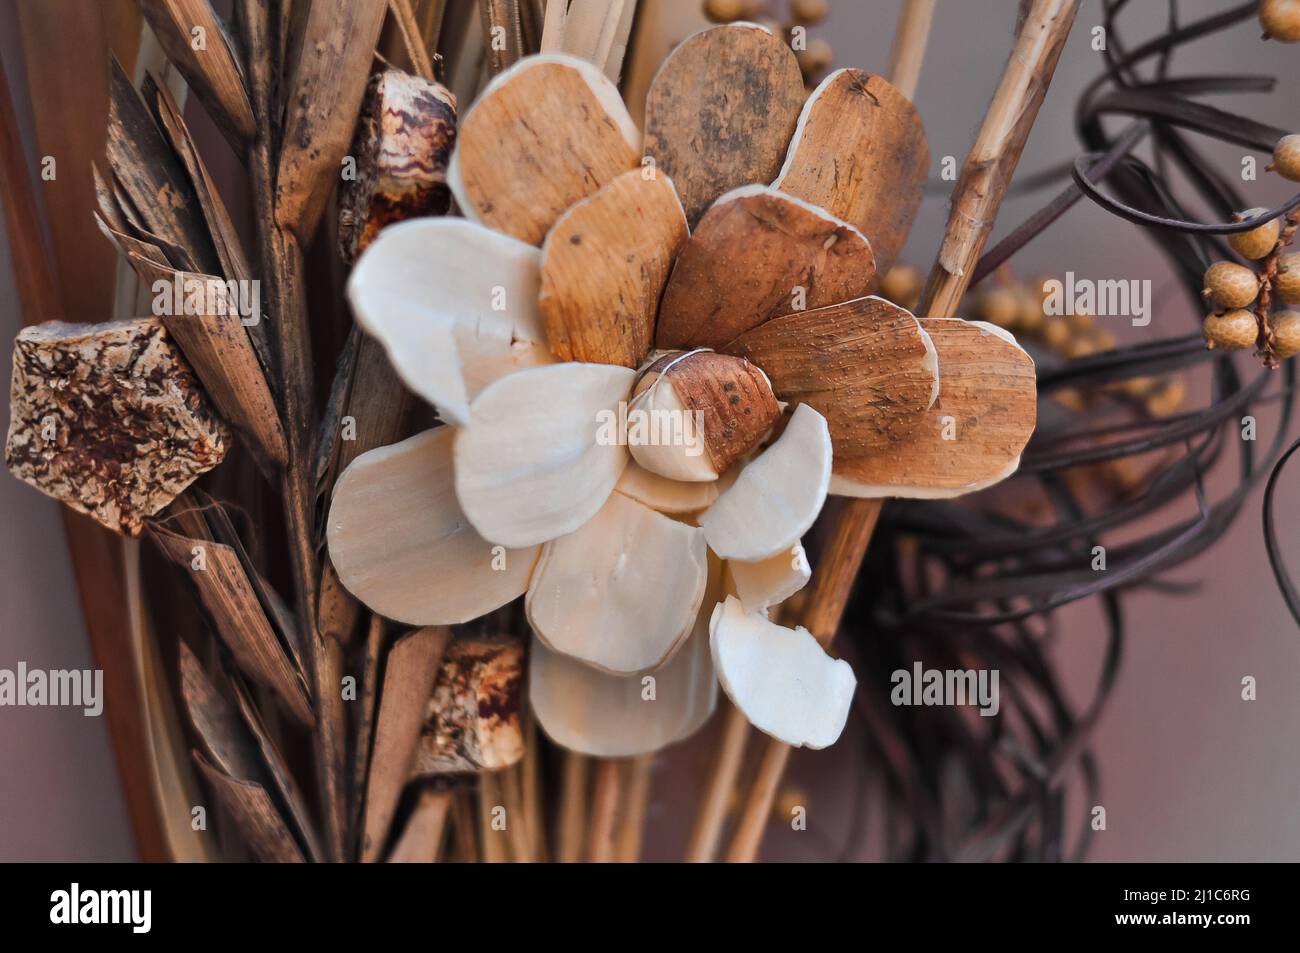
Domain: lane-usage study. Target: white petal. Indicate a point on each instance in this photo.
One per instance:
(663, 435)
(540, 454)
(611, 716)
(782, 680)
(772, 580)
(665, 495)
(776, 498)
(455, 306)
(623, 591)
(401, 544)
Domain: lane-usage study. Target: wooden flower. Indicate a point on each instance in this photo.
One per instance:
(597, 282)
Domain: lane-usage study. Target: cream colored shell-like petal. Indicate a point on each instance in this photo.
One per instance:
(540, 454)
(777, 496)
(772, 580)
(783, 681)
(401, 544)
(454, 305)
(623, 591)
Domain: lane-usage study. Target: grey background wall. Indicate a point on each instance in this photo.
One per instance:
(1190, 772)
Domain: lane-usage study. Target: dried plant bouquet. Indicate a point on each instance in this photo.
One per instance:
(475, 431)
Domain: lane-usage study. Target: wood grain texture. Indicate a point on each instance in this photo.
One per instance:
(860, 153)
(863, 365)
(721, 110)
(987, 402)
(546, 133)
(747, 256)
(604, 265)
(254, 813)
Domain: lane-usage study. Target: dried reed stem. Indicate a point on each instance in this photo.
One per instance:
(572, 821)
(712, 814)
(908, 51)
(407, 26)
(604, 809)
(632, 826)
(976, 198)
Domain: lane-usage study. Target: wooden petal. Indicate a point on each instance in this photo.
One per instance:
(623, 591)
(860, 153)
(408, 681)
(987, 401)
(755, 255)
(665, 495)
(783, 681)
(545, 133)
(866, 365)
(609, 716)
(604, 265)
(538, 458)
(770, 581)
(455, 306)
(777, 496)
(721, 110)
(255, 814)
(401, 544)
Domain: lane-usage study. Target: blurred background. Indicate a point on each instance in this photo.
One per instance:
(1190, 771)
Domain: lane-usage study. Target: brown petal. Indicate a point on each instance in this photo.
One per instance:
(751, 254)
(547, 132)
(732, 396)
(604, 265)
(987, 392)
(721, 111)
(865, 364)
(860, 153)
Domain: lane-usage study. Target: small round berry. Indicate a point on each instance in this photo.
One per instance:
(1257, 242)
(1231, 285)
(1280, 19)
(1168, 398)
(1232, 330)
(1286, 334)
(1081, 347)
(1139, 386)
(1286, 158)
(1056, 334)
(1104, 340)
(901, 285)
(815, 58)
(724, 11)
(1286, 283)
(999, 306)
(809, 12)
(1081, 322)
(1030, 317)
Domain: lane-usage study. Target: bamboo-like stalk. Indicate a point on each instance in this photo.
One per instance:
(409, 28)
(608, 791)
(908, 50)
(572, 821)
(978, 195)
(631, 828)
(712, 815)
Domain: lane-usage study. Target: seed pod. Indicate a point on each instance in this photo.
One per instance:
(1029, 311)
(808, 12)
(1280, 19)
(1286, 283)
(402, 146)
(1056, 334)
(1286, 334)
(1232, 331)
(1286, 158)
(1257, 242)
(1230, 284)
(901, 285)
(730, 398)
(999, 306)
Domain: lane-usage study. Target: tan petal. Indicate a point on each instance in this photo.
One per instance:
(987, 403)
(455, 306)
(401, 544)
(865, 364)
(665, 495)
(860, 153)
(783, 681)
(721, 110)
(604, 265)
(545, 133)
(770, 581)
(755, 255)
(540, 454)
(609, 716)
(777, 496)
(623, 591)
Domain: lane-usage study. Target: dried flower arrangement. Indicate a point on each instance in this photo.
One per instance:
(537, 285)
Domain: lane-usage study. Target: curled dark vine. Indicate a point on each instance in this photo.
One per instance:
(977, 582)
